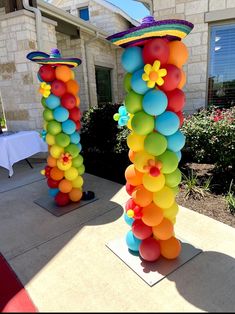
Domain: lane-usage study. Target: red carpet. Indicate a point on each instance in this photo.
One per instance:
(13, 296)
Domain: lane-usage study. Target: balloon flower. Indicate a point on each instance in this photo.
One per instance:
(61, 115)
(153, 58)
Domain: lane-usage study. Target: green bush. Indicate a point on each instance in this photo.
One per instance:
(210, 137)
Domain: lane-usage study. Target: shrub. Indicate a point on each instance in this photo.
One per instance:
(210, 136)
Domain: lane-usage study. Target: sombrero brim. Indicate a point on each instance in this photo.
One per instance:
(43, 58)
(137, 36)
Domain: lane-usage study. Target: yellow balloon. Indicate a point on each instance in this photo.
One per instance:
(50, 139)
(71, 174)
(171, 212)
(153, 184)
(164, 198)
(129, 121)
(78, 182)
(56, 151)
(135, 142)
(72, 75)
(141, 159)
(63, 166)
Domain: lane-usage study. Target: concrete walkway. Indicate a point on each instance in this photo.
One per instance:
(66, 267)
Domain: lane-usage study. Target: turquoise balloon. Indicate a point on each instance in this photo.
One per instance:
(128, 220)
(75, 138)
(68, 126)
(132, 242)
(54, 127)
(133, 102)
(127, 82)
(142, 123)
(176, 141)
(61, 114)
(155, 102)
(62, 139)
(132, 59)
(173, 179)
(167, 123)
(52, 101)
(138, 84)
(155, 144)
(179, 155)
(53, 192)
(169, 162)
(79, 147)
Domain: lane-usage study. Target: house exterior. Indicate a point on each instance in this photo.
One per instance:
(211, 65)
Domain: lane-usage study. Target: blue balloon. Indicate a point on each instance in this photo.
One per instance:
(155, 102)
(122, 111)
(138, 84)
(52, 101)
(167, 123)
(128, 220)
(132, 242)
(75, 138)
(53, 192)
(122, 121)
(68, 127)
(132, 59)
(179, 155)
(176, 141)
(61, 114)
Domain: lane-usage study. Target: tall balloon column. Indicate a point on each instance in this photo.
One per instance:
(61, 116)
(154, 104)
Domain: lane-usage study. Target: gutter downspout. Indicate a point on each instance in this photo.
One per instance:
(38, 17)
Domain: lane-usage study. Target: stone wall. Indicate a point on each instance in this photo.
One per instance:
(197, 41)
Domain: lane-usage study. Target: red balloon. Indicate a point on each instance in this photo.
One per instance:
(172, 79)
(75, 114)
(156, 49)
(78, 125)
(53, 184)
(62, 199)
(181, 117)
(68, 101)
(129, 188)
(176, 100)
(130, 204)
(150, 250)
(141, 230)
(47, 73)
(58, 88)
(47, 171)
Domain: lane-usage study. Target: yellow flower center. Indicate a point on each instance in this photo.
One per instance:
(153, 76)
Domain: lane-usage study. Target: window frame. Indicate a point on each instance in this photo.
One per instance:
(97, 66)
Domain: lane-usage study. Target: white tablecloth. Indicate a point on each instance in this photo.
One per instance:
(18, 146)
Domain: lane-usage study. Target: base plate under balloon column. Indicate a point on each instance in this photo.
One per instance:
(152, 272)
(48, 203)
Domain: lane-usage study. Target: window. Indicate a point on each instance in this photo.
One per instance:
(221, 85)
(103, 84)
(83, 13)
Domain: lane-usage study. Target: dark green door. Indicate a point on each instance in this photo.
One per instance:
(103, 84)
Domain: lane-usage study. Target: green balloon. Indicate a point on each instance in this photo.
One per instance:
(155, 144)
(72, 149)
(127, 82)
(81, 170)
(77, 162)
(169, 161)
(173, 179)
(48, 115)
(62, 139)
(142, 123)
(43, 102)
(54, 127)
(116, 116)
(133, 102)
(175, 190)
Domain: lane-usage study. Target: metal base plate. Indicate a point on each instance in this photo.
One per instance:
(151, 272)
(47, 202)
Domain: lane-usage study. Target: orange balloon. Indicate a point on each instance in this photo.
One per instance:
(131, 155)
(72, 87)
(133, 176)
(170, 248)
(63, 73)
(65, 186)
(75, 195)
(178, 53)
(164, 230)
(56, 174)
(183, 80)
(141, 196)
(152, 215)
(51, 161)
(77, 101)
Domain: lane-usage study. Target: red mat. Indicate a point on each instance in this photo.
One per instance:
(13, 296)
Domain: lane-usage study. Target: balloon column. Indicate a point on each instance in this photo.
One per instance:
(61, 115)
(153, 58)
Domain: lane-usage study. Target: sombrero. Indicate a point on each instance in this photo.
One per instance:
(53, 59)
(149, 28)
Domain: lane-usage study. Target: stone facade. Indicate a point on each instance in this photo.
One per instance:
(196, 11)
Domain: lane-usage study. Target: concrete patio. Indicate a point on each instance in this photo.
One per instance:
(66, 267)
